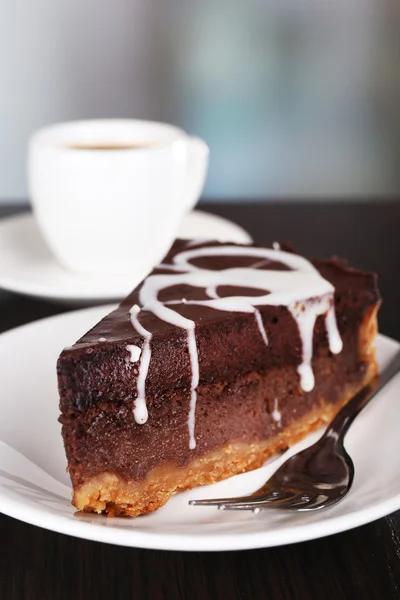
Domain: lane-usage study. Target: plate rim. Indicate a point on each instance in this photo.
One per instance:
(195, 543)
(14, 506)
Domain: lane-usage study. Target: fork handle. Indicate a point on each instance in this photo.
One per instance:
(344, 418)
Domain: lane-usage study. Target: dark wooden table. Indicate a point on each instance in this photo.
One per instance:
(360, 564)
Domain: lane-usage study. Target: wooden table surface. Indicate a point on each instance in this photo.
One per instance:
(363, 563)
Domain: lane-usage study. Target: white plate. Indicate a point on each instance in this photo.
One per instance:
(28, 267)
(34, 486)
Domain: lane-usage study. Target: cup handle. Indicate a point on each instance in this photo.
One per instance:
(197, 165)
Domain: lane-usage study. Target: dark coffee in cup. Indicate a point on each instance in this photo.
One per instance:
(110, 146)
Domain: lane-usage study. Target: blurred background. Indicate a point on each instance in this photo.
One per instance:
(295, 97)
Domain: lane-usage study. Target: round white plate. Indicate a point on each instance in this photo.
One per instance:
(28, 267)
(34, 486)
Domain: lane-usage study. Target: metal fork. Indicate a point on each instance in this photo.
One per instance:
(318, 476)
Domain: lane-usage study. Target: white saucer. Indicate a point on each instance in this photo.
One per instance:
(34, 486)
(28, 267)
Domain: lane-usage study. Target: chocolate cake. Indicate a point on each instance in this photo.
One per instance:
(223, 356)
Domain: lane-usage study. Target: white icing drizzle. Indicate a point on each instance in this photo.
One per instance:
(194, 363)
(276, 415)
(302, 290)
(261, 327)
(260, 263)
(140, 410)
(335, 341)
(211, 291)
(102, 339)
(305, 314)
(135, 352)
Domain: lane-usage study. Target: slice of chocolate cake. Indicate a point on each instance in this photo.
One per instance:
(222, 357)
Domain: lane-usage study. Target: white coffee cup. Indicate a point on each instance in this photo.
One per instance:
(109, 195)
